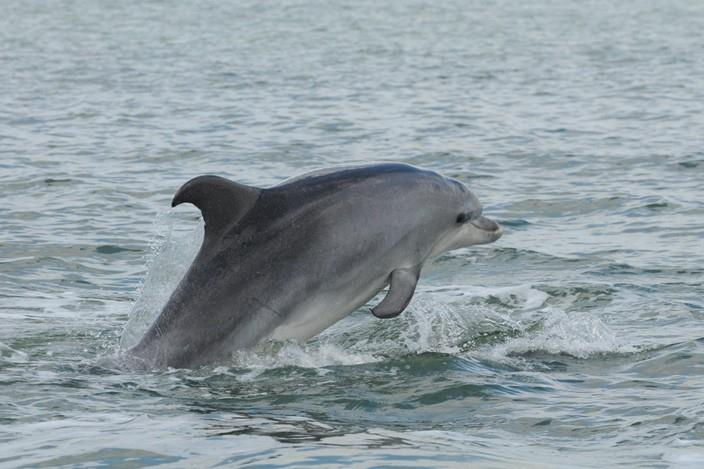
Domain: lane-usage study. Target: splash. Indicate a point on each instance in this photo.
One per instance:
(170, 254)
(439, 320)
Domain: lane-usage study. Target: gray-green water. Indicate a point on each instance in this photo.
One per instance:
(576, 339)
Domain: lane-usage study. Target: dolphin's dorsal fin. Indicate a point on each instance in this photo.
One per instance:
(221, 202)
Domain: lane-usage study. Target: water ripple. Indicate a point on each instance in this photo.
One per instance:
(577, 335)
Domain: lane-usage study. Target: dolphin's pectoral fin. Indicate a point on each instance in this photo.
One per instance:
(221, 202)
(402, 285)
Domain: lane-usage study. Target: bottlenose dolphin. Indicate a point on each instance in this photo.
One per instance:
(288, 261)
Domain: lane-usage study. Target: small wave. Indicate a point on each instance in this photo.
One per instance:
(691, 164)
(10, 355)
(670, 361)
(523, 297)
(647, 206)
(527, 256)
(581, 296)
(579, 335)
(112, 249)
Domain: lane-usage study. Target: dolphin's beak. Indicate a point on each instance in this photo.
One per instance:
(490, 227)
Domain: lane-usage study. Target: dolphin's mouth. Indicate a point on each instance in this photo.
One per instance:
(490, 226)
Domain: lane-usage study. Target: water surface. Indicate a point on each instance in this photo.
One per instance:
(577, 338)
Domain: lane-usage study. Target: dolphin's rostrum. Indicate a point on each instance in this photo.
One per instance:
(288, 261)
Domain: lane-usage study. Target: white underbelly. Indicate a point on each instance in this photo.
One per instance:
(321, 312)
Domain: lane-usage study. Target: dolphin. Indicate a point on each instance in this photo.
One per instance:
(286, 262)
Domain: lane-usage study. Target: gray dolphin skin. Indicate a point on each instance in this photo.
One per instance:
(288, 261)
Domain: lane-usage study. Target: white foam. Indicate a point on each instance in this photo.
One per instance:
(445, 320)
(580, 335)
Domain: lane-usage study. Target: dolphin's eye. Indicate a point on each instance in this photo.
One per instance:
(469, 216)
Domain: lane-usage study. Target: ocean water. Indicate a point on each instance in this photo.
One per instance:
(577, 339)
